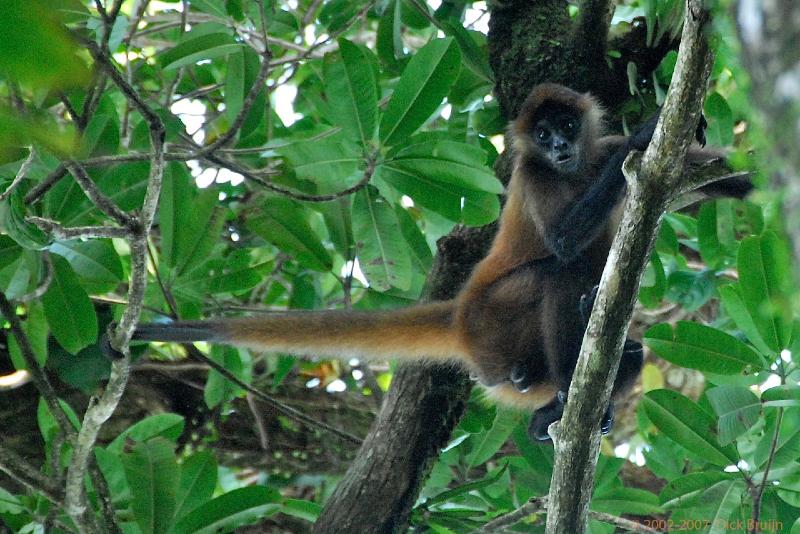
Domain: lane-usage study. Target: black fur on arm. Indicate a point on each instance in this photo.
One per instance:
(584, 218)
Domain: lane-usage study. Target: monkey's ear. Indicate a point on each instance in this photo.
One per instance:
(105, 345)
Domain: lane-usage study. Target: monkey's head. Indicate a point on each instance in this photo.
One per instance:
(558, 127)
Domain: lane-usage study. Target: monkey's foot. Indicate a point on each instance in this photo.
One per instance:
(546, 416)
(549, 414)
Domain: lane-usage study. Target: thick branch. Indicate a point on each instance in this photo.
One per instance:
(658, 181)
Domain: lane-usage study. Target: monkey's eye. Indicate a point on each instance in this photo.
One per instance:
(542, 134)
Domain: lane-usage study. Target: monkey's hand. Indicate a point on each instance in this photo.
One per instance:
(641, 137)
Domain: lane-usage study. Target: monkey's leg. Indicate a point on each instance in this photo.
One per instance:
(563, 337)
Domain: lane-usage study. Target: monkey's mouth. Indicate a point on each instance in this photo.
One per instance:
(563, 158)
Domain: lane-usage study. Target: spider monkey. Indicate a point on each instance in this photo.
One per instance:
(519, 321)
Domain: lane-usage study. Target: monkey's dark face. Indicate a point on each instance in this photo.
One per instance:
(556, 136)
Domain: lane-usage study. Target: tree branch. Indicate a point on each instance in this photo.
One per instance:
(539, 505)
(649, 192)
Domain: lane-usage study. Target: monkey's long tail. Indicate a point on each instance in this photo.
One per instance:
(419, 332)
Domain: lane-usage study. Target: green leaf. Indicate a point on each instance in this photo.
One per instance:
(389, 41)
(422, 86)
(338, 220)
(446, 177)
(69, 311)
(489, 442)
(782, 396)
(351, 89)
(241, 70)
(450, 494)
(686, 424)
(720, 120)
(37, 48)
(456, 164)
(236, 508)
(619, 501)
(331, 163)
(703, 348)
(35, 328)
(737, 309)
(654, 282)
(765, 281)
(301, 509)
(681, 489)
(382, 251)
(165, 425)
(152, 474)
(96, 262)
(13, 223)
(197, 483)
(218, 388)
(284, 223)
(474, 58)
(738, 410)
(203, 47)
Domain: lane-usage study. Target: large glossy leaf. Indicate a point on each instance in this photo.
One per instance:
(619, 500)
(165, 425)
(37, 48)
(332, 164)
(69, 311)
(424, 83)
(685, 423)
(489, 442)
(703, 348)
(782, 396)
(737, 309)
(233, 509)
(382, 251)
(96, 262)
(677, 491)
(192, 50)
(351, 89)
(152, 474)
(197, 482)
(242, 67)
(35, 328)
(738, 410)
(285, 223)
(13, 223)
(765, 281)
(218, 388)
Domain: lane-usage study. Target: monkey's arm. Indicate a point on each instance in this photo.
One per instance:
(418, 332)
(583, 219)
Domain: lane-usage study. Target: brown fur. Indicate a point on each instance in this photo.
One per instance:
(517, 307)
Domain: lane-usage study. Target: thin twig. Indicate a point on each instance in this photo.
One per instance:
(44, 285)
(63, 233)
(539, 505)
(38, 376)
(98, 198)
(45, 185)
(17, 468)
